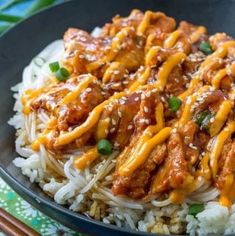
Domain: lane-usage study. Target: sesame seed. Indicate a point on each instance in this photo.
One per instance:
(116, 84)
(159, 58)
(142, 120)
(83, 39)
(212, 119)
(147, 121)
(174, 130)
(121, 101)
(116, 144)
(112, 130)
(189, 101)
(137, 99)
(130, 127)
(192, 146)
(146, 109)
(114, 122)
(88, 90)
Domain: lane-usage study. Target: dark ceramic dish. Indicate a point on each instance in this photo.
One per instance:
(19, 45)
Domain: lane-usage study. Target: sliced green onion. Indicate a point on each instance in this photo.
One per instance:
(201, 116)
(174, 103)
(194, 209)
(205, 47)
(104, 147)
(62, 74)
(39, 61)
(206, 122)
(54, 66)
(203, 119)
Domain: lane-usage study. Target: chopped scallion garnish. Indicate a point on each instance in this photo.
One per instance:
(205, 47)
(194, 209)
(203, 119)
(104, 147)
(54, 66)
(174, 103)
(62, 74)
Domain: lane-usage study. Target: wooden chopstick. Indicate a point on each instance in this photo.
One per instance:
(13, 227)
(10, 229)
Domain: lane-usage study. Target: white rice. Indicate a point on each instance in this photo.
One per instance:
(86, 191)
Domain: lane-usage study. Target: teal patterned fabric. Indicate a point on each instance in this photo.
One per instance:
(11, 201)
(15, 205)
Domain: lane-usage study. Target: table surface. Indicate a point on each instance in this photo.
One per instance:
(10, 200)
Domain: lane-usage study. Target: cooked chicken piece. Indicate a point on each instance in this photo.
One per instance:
(142, 175)
(121, 115)
(81, 49)
(130, 52)
(76, 111)
(176, 82)
(173, 173)
(226, 163)
(189, 132)
(210, 100)
(128, 115)
(85, 53)
(133, 20)
(192, 63)
(158, 21)
(210, 71)
(218, 39)
(197, 34)
(137, 185)
(114, 77)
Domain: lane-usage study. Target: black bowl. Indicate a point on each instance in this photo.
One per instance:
(20, 44)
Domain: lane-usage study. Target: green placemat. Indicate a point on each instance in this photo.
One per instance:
(16, 206)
